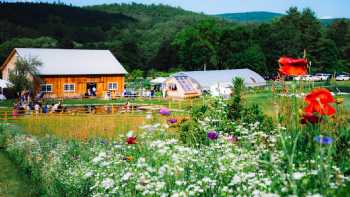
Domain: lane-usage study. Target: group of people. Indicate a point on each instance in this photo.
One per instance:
(35, 107)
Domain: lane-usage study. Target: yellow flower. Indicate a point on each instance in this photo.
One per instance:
(339, 100)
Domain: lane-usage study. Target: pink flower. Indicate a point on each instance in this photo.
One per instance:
(164, 111)
(231, 139)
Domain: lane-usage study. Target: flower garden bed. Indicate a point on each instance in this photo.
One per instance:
(154, 165)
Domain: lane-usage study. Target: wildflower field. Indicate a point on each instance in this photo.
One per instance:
(300, 147)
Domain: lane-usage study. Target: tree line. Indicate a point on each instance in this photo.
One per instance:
(153, 38)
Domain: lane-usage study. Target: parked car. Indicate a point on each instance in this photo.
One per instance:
(298, 78)
(321, 77)
(342, 77)
(304, 78)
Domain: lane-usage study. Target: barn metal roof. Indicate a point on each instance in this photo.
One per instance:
(73, 61)
(213, 77)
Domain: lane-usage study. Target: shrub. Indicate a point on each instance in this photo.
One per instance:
(253, 114)
(191, 134)
(235, 104)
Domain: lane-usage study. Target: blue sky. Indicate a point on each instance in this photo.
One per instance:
(323, 8)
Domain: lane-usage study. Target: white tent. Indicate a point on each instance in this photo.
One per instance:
(208, 78)
(158, 80)
(4, 84)
(221, 89)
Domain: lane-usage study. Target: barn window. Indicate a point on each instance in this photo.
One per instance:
(69, 87)
(46, 87)
(112, 86)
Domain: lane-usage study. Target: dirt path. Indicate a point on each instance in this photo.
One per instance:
(12, 182)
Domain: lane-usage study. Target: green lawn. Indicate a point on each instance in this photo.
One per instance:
(12, 182)
(7, 103)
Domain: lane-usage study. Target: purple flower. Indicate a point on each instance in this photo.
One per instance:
(213, 135)
(323, 140)
(172, 121)
(164, 111)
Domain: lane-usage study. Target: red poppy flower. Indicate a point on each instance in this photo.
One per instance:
(131, 140)
(294, 67)
(311, 118)
(318, 101)
(322, 95)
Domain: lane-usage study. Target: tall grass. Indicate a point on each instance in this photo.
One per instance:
(84, 127)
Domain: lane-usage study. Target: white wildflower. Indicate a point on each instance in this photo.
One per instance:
(298, 175)
(126, 176)
(107, 183)
(314, 195)
(236, 179)
(88, 174)
(148, 116)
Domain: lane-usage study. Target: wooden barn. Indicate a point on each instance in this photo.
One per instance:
(72, 73)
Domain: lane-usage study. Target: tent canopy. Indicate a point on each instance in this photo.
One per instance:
(158, 80)
(5, 84)
(206, 79)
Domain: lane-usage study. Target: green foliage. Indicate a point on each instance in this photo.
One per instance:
(58, 21)
(253, 114)
(198, 45)
(190, 130)
(25, 71)
(192, 135)
(327, 56)
(164, 38)
(136, 74)
(40, 42)
(235, 105)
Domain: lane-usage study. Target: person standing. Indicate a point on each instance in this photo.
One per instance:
(94, 91)
(45, 109)
(36, 108)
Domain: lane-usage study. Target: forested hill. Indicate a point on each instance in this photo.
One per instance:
(145, 13)
(58, 21)
(259, 17)
(250, 17)
(139, 35)
(151, 38)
